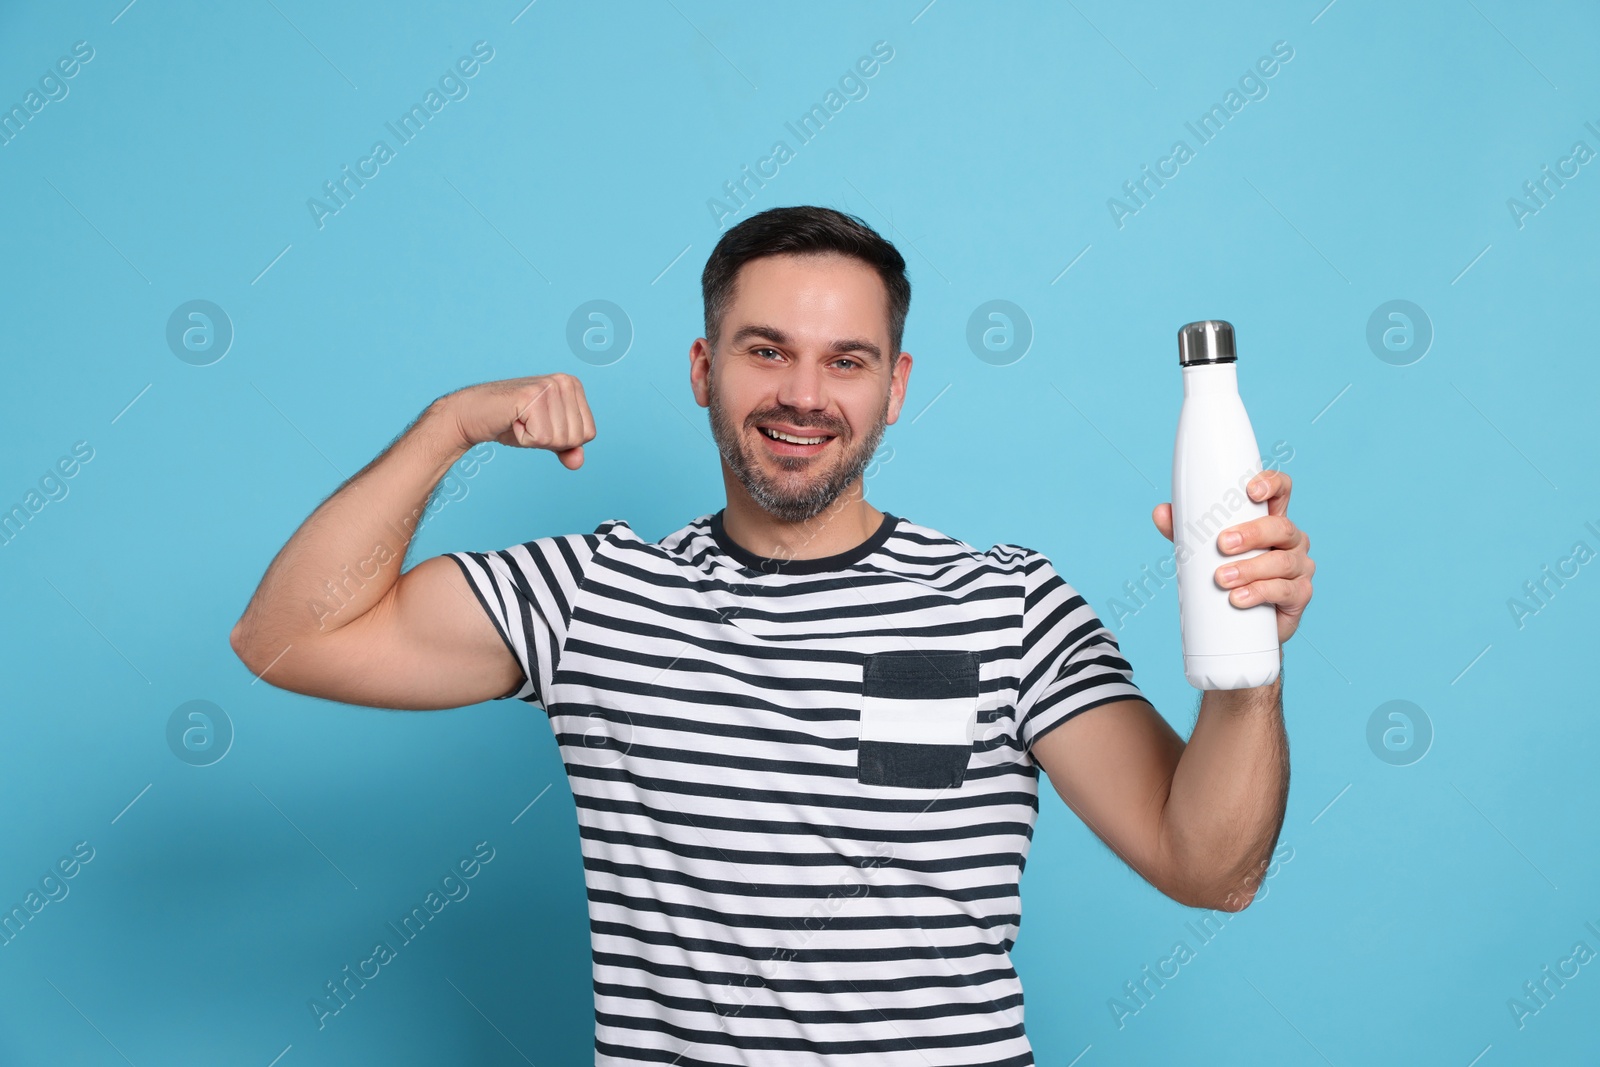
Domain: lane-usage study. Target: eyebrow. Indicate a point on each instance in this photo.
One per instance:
(777, 336)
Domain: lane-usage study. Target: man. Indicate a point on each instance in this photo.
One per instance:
(804, 735)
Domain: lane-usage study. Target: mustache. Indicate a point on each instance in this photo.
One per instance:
(797, 420)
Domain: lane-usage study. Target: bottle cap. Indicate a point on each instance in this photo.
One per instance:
(1208, 341)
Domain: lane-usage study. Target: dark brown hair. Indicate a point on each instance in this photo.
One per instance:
(803, 231)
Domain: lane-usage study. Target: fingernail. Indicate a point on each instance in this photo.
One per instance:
(1230, 540)
(1243, 594)
(1228, 574)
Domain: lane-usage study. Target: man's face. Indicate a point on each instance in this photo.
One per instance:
(804, 353)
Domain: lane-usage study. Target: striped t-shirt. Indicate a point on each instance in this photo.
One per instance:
(804, 790)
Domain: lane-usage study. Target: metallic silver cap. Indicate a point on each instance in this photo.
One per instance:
(1208, 341)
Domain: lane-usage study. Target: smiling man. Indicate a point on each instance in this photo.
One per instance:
(803, 735)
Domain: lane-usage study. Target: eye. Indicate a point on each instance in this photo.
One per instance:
(847, 359)
(758, 351)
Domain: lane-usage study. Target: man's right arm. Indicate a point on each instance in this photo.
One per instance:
(322, 623)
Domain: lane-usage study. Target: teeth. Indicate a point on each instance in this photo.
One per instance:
(780, 436)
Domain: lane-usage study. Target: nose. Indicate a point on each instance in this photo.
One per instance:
(801, 387)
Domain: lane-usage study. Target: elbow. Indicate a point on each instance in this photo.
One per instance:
(1231, 901)
(1234, 900)
(1233, 895)
(267, 656)
(241, 641)
(237, 643)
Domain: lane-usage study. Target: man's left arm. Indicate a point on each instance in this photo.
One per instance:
(1198, 820)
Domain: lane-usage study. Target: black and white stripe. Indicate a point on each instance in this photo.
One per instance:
(803, 789)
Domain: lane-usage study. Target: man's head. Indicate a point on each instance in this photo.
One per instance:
(805, 308)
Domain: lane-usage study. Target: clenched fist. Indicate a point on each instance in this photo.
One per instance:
(545, 411)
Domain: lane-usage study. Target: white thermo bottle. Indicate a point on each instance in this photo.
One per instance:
(1224, 646)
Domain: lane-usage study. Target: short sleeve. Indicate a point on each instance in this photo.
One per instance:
(1070, 661)
(529, 591)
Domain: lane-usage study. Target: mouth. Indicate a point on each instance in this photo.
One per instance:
(790, 443)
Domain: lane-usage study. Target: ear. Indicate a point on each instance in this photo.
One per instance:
(700, 371)
(897, 385)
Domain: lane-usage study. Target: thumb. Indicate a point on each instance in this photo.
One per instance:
(571, 458)
(1162, 517)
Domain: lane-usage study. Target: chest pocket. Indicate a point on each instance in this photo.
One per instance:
(919, 711)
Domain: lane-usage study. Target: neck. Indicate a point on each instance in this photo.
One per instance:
(839, 527)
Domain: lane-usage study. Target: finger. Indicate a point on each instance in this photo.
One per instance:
(585, 419)
(1272, 487)
(571, 458)
(558, 416)
(1274, 563)
(522, 431)
(1270, 590)
(583, 407)
(1162, 516)
(1269, 531)
(528, 398)
(536, 422)
(529, 420)
(574, 410)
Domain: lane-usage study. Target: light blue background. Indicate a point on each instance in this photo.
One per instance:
(579, 167)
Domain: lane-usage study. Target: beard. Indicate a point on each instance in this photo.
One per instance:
(792, 494)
